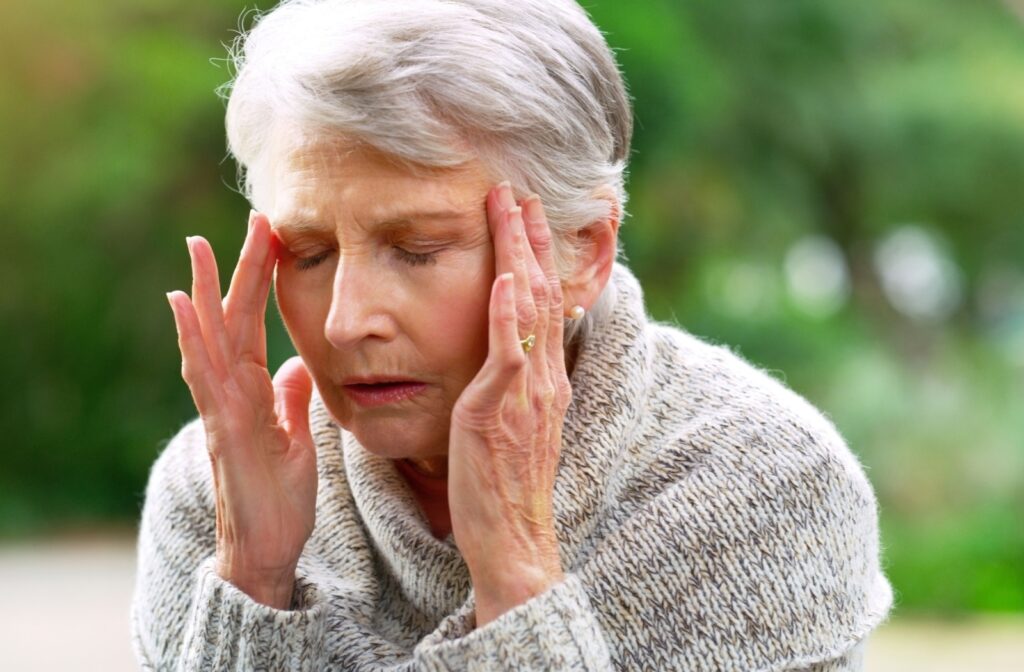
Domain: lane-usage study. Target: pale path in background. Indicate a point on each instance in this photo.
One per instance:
(64, 606)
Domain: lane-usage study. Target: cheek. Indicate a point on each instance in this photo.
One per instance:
(303, 309)
(456, 323)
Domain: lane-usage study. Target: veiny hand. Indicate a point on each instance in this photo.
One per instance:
(506, 430)
(257, 430)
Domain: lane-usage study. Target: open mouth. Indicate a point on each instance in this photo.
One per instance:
(378, 394)
(379, 386)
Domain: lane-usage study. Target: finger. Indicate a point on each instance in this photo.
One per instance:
(293, 389)
(499, 201)
(505, 356)
(506, 222)
(540, 293)
(206, 299)
(245, 304)
(526, 309)
(267, 278)
(542, 244)
(196, 367)
(260, 346)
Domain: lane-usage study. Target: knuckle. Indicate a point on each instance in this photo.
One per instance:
(556, 300)
(564, 394)
(546, 396)
(509, 318)
(517, 242)
(542, 240)
(527, 314)
(540, 288)
(468, 413)
(510, 366)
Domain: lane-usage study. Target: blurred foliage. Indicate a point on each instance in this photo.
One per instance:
(759, 125)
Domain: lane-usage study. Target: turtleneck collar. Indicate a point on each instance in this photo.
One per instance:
(608, 390)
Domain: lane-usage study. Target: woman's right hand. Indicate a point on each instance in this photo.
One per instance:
(257, 430)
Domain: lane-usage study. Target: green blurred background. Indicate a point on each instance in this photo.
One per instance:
(834, 189)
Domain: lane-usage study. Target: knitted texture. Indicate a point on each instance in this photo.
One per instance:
(708, 519)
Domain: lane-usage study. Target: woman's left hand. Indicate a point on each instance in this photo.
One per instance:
(506, 431)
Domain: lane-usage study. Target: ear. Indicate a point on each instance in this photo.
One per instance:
(598, 242)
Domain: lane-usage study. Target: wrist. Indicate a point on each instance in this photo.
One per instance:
(498, 589)
(273, 589)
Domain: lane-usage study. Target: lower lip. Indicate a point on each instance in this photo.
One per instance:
(385, 394)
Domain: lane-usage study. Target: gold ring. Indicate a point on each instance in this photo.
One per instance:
(528, 342)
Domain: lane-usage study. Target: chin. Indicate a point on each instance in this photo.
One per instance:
(393, 433)
(399, 438)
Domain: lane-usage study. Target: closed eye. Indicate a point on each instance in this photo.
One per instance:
(411, 258)
(415, 259)
(307, 263)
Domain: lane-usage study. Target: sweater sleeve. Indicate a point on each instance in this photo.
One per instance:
(759, 552)
(764, 557)
(184, 616)
(556, 630)
(227, 630)
(850, 661)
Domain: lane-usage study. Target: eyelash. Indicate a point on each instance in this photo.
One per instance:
(309, 262)
(414, 259)
(411, 258)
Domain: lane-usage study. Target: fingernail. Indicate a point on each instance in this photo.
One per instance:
(170, 301)
(252, 218)
(505, 196)
(188, 242)
(532, 206)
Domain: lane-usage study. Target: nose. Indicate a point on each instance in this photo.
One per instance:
(362, 305)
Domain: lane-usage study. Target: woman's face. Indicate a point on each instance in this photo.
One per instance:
(384, 273)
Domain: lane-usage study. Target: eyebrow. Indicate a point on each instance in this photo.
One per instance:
(299, 224)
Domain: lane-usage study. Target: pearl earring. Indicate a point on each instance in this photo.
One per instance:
(577, 312)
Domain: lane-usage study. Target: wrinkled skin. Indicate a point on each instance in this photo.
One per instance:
(345, 229)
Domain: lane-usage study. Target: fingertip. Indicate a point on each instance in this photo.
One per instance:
(533, 208)
(273, 248)
(293, 373)
(170, 302)
(173, 298)
(506, 199)
(198, 245)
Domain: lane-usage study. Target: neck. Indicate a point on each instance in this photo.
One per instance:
(429, 467)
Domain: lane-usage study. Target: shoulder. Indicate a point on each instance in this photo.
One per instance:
(713, 418)
(181, 475)
(739, 515)
(739, 461)
(177, 531)
(178, 518)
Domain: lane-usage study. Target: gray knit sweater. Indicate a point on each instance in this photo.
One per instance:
(709, 519)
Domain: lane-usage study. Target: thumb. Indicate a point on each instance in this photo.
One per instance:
(293, 388)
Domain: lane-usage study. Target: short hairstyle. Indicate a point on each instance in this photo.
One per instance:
(528, 87)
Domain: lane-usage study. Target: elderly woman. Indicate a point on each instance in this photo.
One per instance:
(486, 455)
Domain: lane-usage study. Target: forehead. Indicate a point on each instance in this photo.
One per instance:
(320, 180)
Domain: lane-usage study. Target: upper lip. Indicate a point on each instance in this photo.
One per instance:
(375, 380)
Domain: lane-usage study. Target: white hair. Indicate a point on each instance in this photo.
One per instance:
(528, 87)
